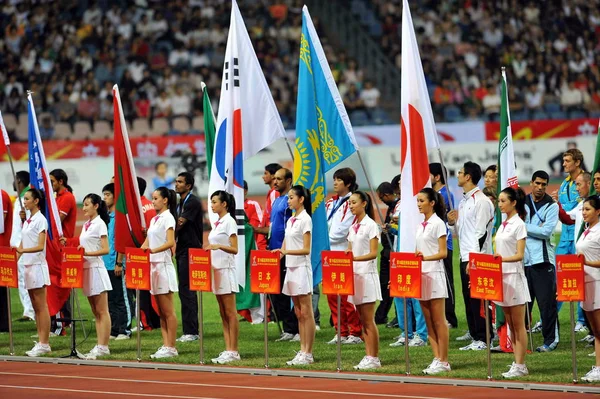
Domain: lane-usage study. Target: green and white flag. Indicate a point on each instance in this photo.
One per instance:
(209, 128)
(596, 160)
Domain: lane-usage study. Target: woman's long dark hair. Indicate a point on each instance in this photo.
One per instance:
(224, 196)
(171, 199)
(59, 175)
(39, 195)
(366, 197)
(304, 192)
(517, 195)
(102, 208)
(439, 208)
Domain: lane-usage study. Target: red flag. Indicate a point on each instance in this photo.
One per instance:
(129, 219)
(418, 133)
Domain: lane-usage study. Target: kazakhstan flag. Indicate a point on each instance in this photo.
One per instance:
(324, 135)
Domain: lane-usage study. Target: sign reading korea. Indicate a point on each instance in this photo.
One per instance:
(137, 269)
(405, 275)
(264, 272)
(570, 278)
(8, 268)
(485, 274)
(338, 273)
(71, 272)
(200, 275)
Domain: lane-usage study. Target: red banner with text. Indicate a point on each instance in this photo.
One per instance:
(485, 274)
(199, 265)
(405, 275)
(9, 276)
(338, 273)
(137, 269)
(570, 278)
(264, 272)
(71, 273)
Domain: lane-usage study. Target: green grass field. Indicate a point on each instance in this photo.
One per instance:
(543, 367)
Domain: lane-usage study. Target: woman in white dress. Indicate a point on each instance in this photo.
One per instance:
(588, 245)
(431, 247)
(159, 242)
(223, 242)
(37, 276)
(96, 283)
(510, 245)
(298, 283)
(363, 242)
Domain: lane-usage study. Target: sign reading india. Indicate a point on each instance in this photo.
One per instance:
(71, 273)
(485, 274)
(405, 275)
(137, 269)
(570, 278)
(8, 268)
(338, 272)
(264, 272)
(200, 272)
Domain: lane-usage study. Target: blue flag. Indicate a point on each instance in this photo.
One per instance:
(324, 136)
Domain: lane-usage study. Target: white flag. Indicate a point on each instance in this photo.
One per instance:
(4, 132)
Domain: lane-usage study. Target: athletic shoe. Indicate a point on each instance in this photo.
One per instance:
(112, 337)
(400, 341)
(516, 370)
(368, 363)
(122, 337)
(588, 338)
(296, 338)
(97, 352)
(537, 327)
(334, 340)
(285, 337)
(417, 341)
(545, 348)
(393, 323)
(38, 350)
(352, 340)
(431, 365)
(438, 368)
(593, 375)
(317, 328)
(496, 348)
(227, 357)
(466, 337)
(301, 359)
(580, 327)
(187, 338)
(592, 354)
(164, 352)
(474, 346)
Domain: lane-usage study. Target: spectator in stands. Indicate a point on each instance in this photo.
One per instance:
(88, 108)
(65, 110)
(352, 99)
(162, 106)
(370, 97)
(181, 103)
(534, 99)
(14, 103)
(491, 103)
(46, 127)
(442, 97)
(142, 105)
(571, 98)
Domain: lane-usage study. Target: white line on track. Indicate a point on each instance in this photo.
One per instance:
(146, 395)
(196, 384)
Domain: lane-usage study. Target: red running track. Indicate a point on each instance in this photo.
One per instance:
(40, 380)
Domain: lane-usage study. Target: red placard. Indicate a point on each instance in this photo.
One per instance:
(137, 269)
(8, 268)
(485, 274)
(570, 278)
(71, 271)
(405, 275)
(338, 273)
(200, 274)
(264, 272)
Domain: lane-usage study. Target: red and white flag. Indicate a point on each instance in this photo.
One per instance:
(418, 134)
(4, 131)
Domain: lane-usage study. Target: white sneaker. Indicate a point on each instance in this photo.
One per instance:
(352, 340)
(368, 363)
(417, 341)
(400, 341)
(96, 352)
(296, 338)
(226, 357)
(588, 338)
(317, 328)
(122, 337)
(431, 365)
(301, 359)
(474, 346)
(296, 359)
(592, 375)
(516, 370)
(112, 337)
(285, 337)
(438, 368)
(334, 340)
(537, 327)
(466, 337)
(592, 354)
(164, 352)
(187, 338)
(38, 350)
(580, 327)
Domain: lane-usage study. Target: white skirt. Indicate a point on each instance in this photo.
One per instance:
(515, 290)
(366, 289)
(37, 276)
(298, 281)
(592, 296)
(163, 278)
(433, 286)
(95, 281)
(224, 281)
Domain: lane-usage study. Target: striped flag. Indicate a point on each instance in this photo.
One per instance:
(4, 131)
(209, 128)
(129, 218)
(418, 133)
(596, 167)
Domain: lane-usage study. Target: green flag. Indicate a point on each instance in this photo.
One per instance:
(209, 128)
(596, 160)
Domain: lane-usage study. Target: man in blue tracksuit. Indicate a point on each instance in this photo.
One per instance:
(541, 219)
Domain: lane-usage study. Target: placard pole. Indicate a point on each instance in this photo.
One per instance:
(339, 334)
(10, 330)
(530, 326)
(201, 326)
(266, 330)
(486, 304)
(406, 355)
(573, 348)
(139, 325)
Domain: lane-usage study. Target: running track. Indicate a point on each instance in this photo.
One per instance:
(42, 380)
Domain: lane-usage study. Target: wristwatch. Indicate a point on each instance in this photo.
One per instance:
(119, 264)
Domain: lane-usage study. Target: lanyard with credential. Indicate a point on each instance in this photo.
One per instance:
(182, 205)
(340, 202)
